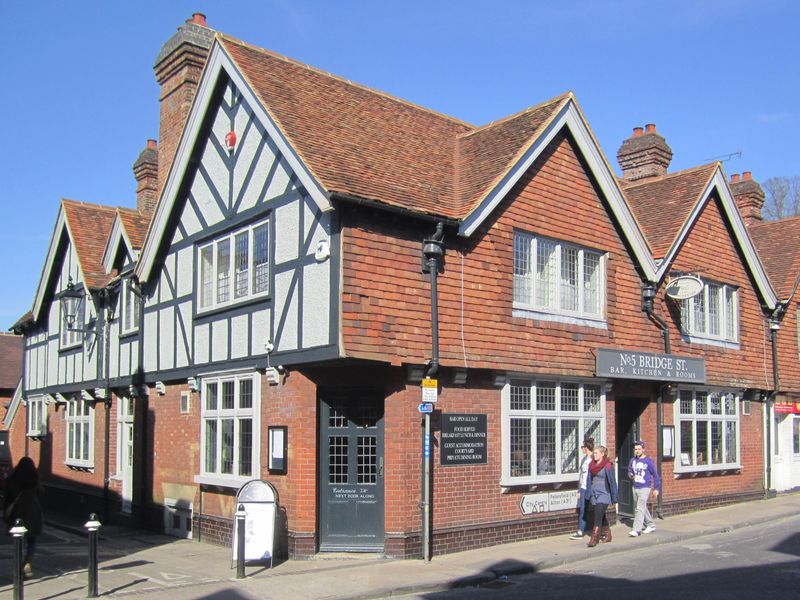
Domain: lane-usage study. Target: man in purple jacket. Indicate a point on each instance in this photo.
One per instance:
(642, 471)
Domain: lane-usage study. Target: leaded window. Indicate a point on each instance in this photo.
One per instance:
(708, 430)
(712, 314)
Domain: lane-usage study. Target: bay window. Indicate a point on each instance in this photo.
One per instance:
(558, 278)
(544, 424)
(234, 267)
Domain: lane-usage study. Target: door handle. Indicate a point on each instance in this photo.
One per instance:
(380, 467)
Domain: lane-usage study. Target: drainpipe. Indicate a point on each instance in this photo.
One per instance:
(432, 253)
(105, 299)
(648, 302)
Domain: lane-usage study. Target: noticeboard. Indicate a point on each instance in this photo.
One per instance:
(464, 440)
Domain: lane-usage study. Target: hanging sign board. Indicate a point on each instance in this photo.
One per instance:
(684, 287)
(464, 440)
(430, 390)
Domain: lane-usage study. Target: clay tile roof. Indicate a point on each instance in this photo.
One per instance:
(778, 246)
(10, 360)
(486, 154)
(661, 205)
(135, 224)
(89, 226)
(355, 140)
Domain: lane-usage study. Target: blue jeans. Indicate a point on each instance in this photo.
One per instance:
(582, 525)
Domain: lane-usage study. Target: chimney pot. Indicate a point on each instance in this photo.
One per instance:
(199, 19)
(152, 144)
(637, 131)
(650, 128)
(735, 178)
(747, 175)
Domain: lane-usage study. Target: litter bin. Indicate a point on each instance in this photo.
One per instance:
(260, 501)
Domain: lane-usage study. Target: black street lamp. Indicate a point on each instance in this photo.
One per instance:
(71, 301)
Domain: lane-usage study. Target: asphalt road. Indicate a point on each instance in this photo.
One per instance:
(760, 562)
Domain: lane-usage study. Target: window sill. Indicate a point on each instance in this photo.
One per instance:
(86, 468)
(201, 313)
(36, 435)
(527, 313)
(128, 333)
(223, 481)
(554, 481)
(694, 339)
(706, 470)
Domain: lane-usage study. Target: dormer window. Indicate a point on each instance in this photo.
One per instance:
(713, 314)
(234, 267)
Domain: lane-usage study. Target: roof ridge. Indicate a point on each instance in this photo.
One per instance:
(777, 221)
(516, 115)
(650, 180)
(90, 204)
(276, 55)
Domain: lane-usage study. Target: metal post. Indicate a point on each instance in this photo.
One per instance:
(92, 525)
(18, 531)
(426, 493)
(240, 533)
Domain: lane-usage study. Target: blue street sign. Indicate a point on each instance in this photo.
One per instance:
(426, 407)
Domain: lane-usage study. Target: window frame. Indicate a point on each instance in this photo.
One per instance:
(554, 303)
(126, 413)
(210, 279)
(127, 294)
(708, 418)
(36, 411)
(75, 423)
(559, 415)
(236, 414)
(728, 334)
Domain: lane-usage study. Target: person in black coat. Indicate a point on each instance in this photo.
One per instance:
(23, 500)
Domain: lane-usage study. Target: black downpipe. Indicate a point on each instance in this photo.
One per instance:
(106, 332)
(648, 299)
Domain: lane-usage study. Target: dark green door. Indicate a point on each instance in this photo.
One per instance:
(351, 472)
(628, 430)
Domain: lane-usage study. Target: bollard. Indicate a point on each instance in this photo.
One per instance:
(240, 527)
(18, 531)
(92, 525)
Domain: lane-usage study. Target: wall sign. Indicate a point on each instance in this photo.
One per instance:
(464, 440)
(625, 364)
(547, 502)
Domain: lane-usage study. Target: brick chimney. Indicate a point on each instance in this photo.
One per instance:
(145, 170)
(749, 197)
(643, 155)
(178, 68)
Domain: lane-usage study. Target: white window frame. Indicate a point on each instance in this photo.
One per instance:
(795, 437)
(37, 416)
(217, 415)
(530, 295)
(702, 414)
(126, 409)
(129, 308)
(210, 276)
(72, 337)
(696, 312)
(79, 447)
(511, 476)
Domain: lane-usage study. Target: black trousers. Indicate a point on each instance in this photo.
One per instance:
(599, 515)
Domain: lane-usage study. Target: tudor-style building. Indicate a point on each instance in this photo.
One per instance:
(277, 283)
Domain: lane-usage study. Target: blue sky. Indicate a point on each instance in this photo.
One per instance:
(80, 99)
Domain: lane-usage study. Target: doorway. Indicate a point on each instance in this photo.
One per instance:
(125, 420)
(351, 506)
(628, 430)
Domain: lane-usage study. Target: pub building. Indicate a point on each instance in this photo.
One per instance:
(338, 291)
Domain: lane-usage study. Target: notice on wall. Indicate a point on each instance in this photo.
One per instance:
(547, 502)
(464, 440)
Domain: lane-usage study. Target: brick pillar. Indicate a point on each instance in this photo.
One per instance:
(178, 68)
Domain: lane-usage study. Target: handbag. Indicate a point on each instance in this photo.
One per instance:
(9, 510)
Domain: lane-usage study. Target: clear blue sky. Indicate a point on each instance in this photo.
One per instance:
(79, 97)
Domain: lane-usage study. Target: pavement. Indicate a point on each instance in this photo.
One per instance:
(142, 563)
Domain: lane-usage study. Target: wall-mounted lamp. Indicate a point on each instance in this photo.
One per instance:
(161, 388)
(71, 300)
(193, 383)
(648, 298)
(275, 375)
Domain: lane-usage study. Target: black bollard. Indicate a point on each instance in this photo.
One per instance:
(92, 525)
(240, 527)
(18, 531)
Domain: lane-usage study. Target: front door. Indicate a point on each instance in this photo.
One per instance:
(125, 419)
(629, 430)
(351, 472)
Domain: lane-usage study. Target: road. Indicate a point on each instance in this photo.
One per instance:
(754, 562)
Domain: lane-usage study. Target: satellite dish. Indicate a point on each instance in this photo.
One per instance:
(684, 287)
